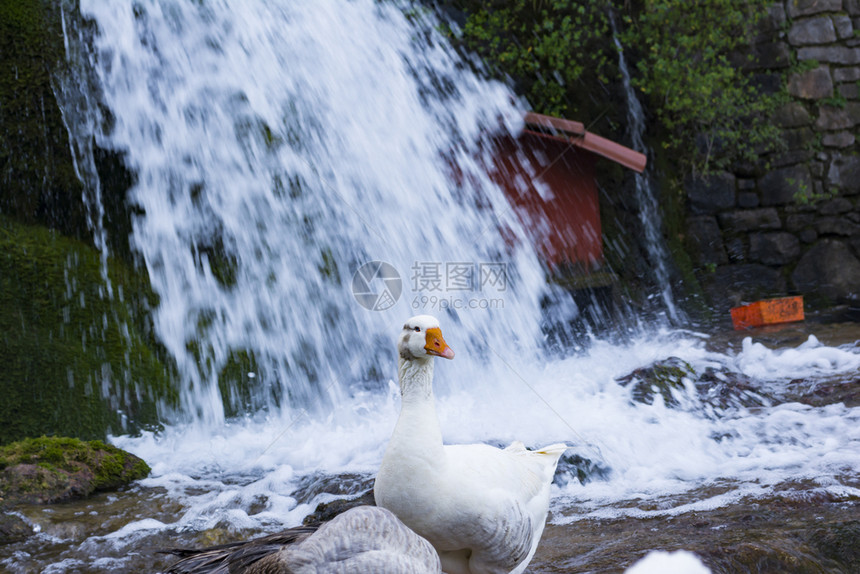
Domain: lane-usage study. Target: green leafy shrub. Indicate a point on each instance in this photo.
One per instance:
(711, 109)
(685, 58)
(547, 47)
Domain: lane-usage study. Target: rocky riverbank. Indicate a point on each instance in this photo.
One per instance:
(799, 533)
(794, 526)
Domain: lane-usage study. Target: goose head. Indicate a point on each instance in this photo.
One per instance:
(421, 338)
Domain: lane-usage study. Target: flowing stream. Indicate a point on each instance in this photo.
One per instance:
(649, 212)
(278, 147)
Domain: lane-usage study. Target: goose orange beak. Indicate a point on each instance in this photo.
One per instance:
(436, 345)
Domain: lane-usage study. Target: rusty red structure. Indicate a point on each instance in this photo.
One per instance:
(548, 173)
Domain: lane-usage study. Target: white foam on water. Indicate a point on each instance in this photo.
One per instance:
(277, 146)
(660, 459)
(808, 360)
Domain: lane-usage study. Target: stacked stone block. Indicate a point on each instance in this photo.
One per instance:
(791, 223)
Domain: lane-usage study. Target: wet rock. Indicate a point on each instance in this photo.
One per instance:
(711, 194)
(797, 8)
(828, 269)
(328, 510)
(662, 377)
(584, 467)
(343, 485)
(776, 248)
(748, 199)
(812, 84)
(825, 393)
(736, 250)
(832, 118)
(13, 528)
(781, 534)
(846, 74)
(812, 31)
(838, 140)
(792, 115)
(838, 541)
(780, 186)
(48, 470)
(732, 285)
(831, 54)
(837, 226)
(844, 173)
(750, 219)
(721, 388)
(706, 242)
(844, 26)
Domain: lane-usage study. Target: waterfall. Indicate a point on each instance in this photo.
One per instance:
(277, 147)
(649, 212)
(307, 175)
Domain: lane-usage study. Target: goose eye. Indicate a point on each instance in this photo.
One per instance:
(417, 329)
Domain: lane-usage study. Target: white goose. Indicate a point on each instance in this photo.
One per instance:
(481, 507)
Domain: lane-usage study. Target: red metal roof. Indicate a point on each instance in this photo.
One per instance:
(576, 134)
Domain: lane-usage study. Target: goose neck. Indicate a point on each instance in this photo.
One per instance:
(416, 380)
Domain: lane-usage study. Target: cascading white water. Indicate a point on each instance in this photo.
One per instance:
(280, 145)
(649, 212)
(277, 147)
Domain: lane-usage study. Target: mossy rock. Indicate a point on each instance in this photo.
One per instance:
(838, 541)
(662, 377)
(13, 528)
(49, 469)
(38, 175)
(79, 358)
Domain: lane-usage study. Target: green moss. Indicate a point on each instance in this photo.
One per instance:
(77, 360)
(675, 220)
(237, 390)
(69, 467)
(660, 378)
(36, 170)
(548, 49)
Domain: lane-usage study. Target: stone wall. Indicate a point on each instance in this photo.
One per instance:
(790, 224)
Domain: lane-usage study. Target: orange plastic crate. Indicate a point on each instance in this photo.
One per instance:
(768, 312)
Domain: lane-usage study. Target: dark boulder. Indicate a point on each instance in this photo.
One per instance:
(659, 378)
(776, 248)
(706, 242)
(712, 193)
(830, 270)
(13, 528)
(732, 285)
(750, 219)
(779, 187)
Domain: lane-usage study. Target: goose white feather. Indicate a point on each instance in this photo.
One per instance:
(481, 507)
